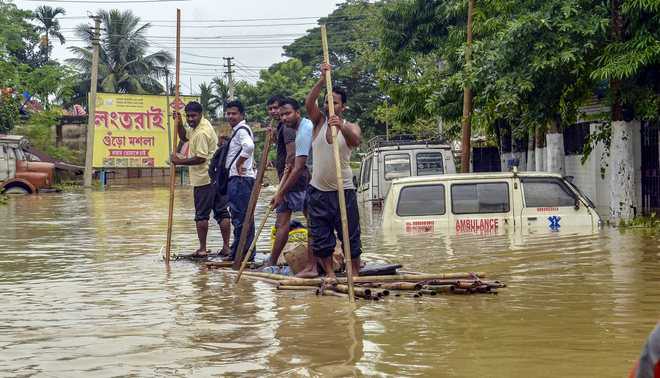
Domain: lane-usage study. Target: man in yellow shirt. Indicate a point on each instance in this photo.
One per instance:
(203, 142)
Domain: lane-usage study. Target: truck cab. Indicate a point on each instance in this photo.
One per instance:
(387, 160)
(18, 173)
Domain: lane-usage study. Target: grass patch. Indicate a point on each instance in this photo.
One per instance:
(649, 221)
(68, 186)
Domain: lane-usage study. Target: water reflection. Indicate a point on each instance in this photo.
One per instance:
(83, 293)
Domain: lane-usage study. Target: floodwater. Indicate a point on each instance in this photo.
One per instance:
(83, 293)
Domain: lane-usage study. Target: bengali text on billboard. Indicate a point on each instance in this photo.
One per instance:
(131, 131)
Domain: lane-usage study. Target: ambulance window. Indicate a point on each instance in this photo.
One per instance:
(421, 200)
(366, 172)
(492, 197)
(429, 163)
(541, 192)
(397, 165)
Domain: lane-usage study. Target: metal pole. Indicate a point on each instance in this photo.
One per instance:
(89, 148)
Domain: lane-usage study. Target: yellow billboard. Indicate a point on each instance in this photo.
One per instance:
(132, 131)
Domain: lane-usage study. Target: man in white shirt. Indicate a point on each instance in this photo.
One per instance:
(240, 162)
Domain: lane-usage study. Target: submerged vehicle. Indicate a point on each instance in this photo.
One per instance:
(387, 160)
(18, 173)
(487, 203)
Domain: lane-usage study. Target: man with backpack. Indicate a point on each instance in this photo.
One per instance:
(202, 141)
(239, 163)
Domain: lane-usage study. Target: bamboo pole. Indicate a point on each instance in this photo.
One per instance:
(296, 288)
(395, 278)
(340, 182)
(360, 292)
(252, 204)
(218, 264)
(246, 258)
(272, 276)
(330, 293)
(168, 244)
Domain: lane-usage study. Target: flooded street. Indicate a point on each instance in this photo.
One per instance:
(84, 293)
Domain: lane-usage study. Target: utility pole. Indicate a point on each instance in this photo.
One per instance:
(467, 97)
(230, 78)
(91, 124)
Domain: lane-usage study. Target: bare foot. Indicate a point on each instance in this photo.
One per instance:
(329, 281)
(200, 254)
(308, 272)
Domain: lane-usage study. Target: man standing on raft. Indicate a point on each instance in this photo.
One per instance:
(322, 197)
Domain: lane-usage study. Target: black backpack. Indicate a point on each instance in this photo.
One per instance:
(218, 172)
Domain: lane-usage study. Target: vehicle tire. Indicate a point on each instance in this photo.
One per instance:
(16, 189)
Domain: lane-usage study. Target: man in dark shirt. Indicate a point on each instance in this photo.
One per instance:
(296, 137)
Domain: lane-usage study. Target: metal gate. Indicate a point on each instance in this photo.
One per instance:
(650, 168)
(486, 159)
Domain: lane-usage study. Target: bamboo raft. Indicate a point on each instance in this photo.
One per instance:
(415, 285)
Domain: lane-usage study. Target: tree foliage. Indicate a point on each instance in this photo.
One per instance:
(352, 42)
(124, 65)
(290, 78)
(49, 26)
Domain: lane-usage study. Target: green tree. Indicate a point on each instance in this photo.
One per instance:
(124, 65)
(49, 26)
(220, 93)
(18, 37)
(630, 63)
(208, 100)
(352, 40)
(531, 60)
(8, 113)
(289, 78)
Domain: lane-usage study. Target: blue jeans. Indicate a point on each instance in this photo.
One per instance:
(238, 190)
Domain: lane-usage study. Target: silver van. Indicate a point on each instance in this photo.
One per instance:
(387, 160)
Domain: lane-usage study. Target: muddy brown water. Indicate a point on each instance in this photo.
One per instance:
(83, 293)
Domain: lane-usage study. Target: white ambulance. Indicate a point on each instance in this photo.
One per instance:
(487, 203)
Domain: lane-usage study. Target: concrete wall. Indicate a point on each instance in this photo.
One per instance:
(593, 177)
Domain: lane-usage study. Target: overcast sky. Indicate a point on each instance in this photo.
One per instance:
(251, 31)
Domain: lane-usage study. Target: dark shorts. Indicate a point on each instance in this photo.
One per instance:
(207, 198)
(293, 202)
(325, 219)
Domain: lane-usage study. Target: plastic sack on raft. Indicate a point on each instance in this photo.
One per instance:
(297, 233)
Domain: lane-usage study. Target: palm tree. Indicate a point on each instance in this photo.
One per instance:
(221, 96)
(208, 100)
(124, 65)
(49, 25)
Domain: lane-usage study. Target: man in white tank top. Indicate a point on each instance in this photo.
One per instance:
(322, 198)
